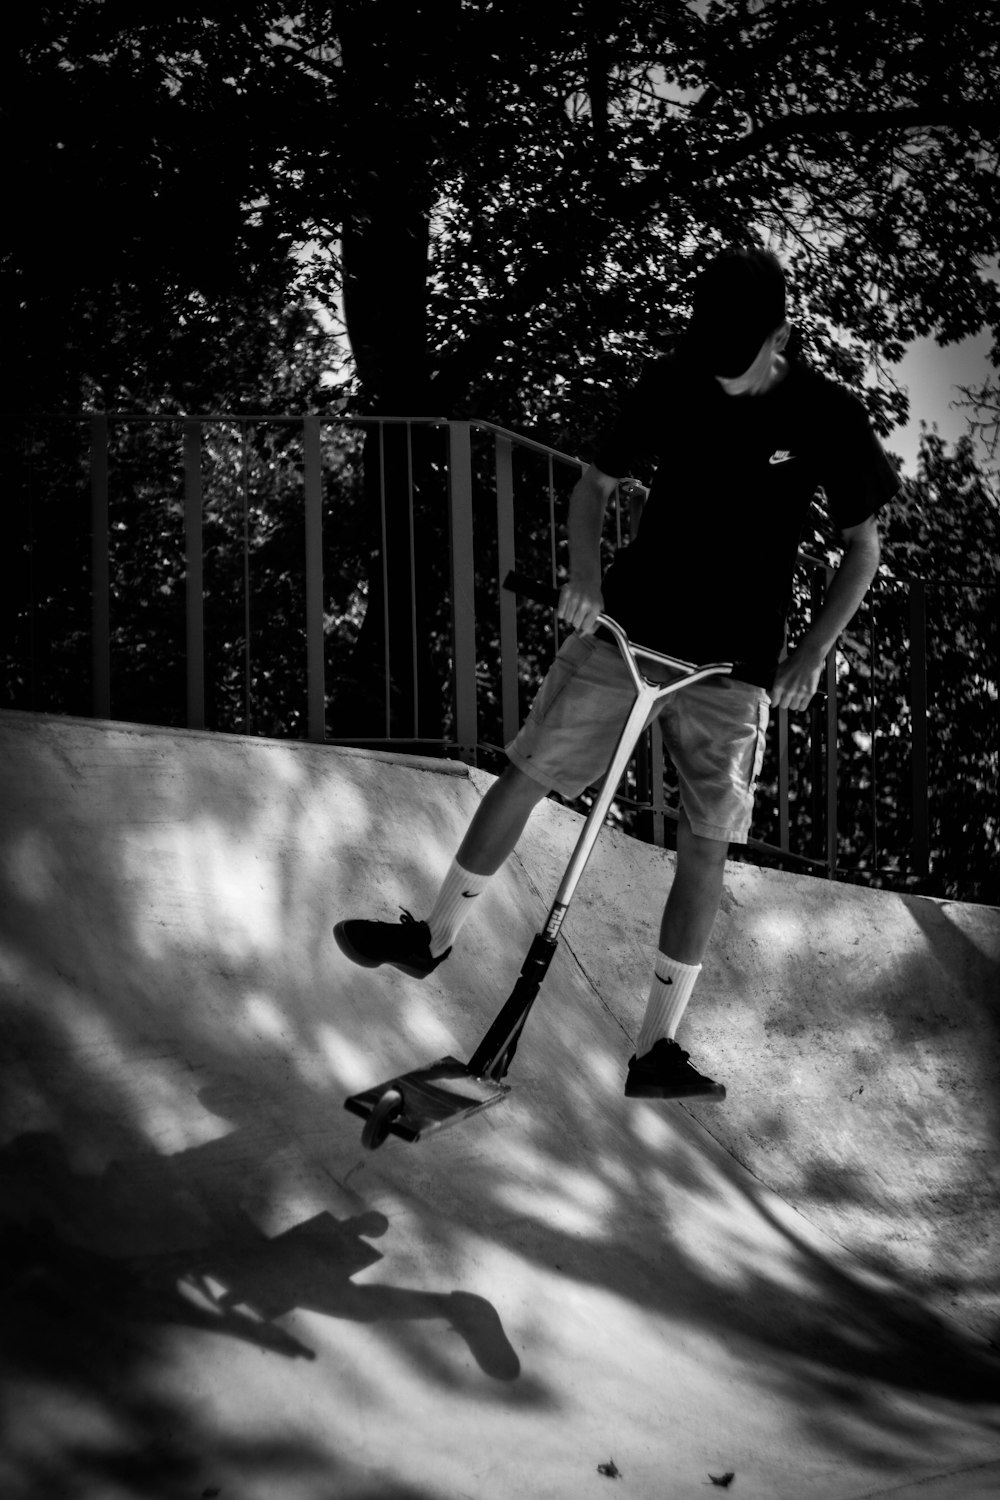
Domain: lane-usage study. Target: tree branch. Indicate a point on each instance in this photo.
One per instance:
(862, 123)
(547, 272)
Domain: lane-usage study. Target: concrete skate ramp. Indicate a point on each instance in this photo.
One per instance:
(858, 1033)
(208, 1287)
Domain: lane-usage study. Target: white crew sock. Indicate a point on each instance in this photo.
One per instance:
(455, 901)
(667, 1002)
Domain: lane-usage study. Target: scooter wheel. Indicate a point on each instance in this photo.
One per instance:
(377, 1125)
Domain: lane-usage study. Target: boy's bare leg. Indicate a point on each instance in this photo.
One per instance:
(660, 1069)
(499, 822)
(693, 902)
(418, 947)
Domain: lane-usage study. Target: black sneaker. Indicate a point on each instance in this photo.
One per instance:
(405, 944)
(666, 1073)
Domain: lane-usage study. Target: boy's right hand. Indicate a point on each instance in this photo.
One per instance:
(580, 603)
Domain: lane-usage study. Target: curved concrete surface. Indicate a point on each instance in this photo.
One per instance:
(210, 1288)
(858, 1033)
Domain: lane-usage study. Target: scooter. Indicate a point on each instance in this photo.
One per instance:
(415, 1104)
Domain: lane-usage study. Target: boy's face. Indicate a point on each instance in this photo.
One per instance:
(761, 374)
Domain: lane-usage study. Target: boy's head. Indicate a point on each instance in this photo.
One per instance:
(739, 301)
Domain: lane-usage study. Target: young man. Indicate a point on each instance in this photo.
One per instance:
(742, 437)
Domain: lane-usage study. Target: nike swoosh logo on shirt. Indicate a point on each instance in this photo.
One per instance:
(782, 456)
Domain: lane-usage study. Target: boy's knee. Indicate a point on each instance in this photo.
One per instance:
(519, 784)
(706, 854)
(697, 847)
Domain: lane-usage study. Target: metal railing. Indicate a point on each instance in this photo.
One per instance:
(455, 506)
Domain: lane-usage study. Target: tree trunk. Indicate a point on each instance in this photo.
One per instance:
(392, 686)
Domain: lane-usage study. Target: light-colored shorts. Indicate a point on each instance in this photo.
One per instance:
(714, 732)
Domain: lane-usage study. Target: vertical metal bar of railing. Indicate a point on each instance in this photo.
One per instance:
(385, 579)
(918, 715)
(649, 783)
(312, 479)
(410, 507)
(553, 550)
(100, 570)
(245, 505)
(873, 714)
(784, 809)
(30, 573)
(463, 588)
(504, 477)
(781, 721)
(832, 727)
(817, 747)
(648, 761)
(194, 576)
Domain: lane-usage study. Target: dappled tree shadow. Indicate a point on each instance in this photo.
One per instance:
(176, 1058)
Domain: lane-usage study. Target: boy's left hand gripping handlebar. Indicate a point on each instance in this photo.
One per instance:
(530, 588)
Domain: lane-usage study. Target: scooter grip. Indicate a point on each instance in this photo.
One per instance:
(530, 588)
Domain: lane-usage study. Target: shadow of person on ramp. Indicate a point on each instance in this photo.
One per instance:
(144, 1242)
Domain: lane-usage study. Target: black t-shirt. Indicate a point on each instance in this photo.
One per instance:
(709, 574)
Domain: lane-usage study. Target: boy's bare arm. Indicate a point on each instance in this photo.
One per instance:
(798, 675)
(581, 600)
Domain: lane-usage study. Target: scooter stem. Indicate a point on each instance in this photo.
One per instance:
(648, 695)
(493, 1056)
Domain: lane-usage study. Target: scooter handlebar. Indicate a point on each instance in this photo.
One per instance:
(544, 593)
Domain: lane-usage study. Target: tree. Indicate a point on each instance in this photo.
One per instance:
(506, 203)
(500, 192)
(558, 208)
(944, 530)
(983, 404)
(138, 258)
(251, 474)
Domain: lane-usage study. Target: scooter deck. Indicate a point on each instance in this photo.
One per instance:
(433, 1097)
